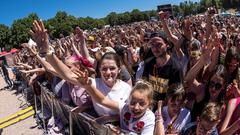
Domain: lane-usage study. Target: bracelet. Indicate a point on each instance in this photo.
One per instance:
(157, 114)
(159, 120)
(50, 53)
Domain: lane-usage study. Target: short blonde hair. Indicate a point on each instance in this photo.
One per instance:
(211, 112)
(144, 86)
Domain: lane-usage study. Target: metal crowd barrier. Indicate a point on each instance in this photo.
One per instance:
(81, 123)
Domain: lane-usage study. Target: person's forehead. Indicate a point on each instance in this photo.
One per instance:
(156, 40)
(106, 62)
(207, 124)
(217, 79)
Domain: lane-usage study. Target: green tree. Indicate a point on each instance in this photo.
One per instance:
(20, 30)
(62, 23)
(4, 36)
(136, 15)
(112, 18)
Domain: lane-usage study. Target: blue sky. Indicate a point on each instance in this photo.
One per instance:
(16, 9)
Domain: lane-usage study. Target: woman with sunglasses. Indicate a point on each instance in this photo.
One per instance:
(207, 91)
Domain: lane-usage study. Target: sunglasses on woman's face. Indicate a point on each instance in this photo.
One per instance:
(215, 85)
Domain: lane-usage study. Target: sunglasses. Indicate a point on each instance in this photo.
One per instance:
(217, 86)
(195, 53)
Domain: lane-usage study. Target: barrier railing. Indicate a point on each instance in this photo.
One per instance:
(82, 121)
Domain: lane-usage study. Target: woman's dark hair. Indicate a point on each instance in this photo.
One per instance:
(111, 56)
(220, 72)
(176, 91)
(232, 53)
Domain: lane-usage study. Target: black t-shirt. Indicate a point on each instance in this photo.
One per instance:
(162, 77)
(124, 75)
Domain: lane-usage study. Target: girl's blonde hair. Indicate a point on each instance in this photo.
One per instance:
(211, 112)
(144, 87)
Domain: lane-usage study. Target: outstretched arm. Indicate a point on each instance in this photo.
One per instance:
(172, 37)
(86, 82)
(226, 129)
(40, 34)
(83, 46)
(33, 70)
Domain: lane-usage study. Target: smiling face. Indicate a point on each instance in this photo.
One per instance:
(109, 71)
(139, 103)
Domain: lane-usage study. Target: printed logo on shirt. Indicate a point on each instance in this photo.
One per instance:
(160, 85)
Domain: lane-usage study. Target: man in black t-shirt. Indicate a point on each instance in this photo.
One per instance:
(161, 70)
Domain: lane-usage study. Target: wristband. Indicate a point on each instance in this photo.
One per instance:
(50, 53)
(157, 114)
(160, 120)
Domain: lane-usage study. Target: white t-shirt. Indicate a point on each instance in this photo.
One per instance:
(183, 119)
(119, 93)
(143, 125)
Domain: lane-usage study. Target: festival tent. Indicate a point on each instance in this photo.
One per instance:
(13, 50)
(225, 14)
(3, 53)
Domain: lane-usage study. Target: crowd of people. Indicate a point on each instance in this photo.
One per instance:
(172, 76)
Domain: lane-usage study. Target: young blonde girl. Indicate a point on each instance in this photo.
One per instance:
(135, 115)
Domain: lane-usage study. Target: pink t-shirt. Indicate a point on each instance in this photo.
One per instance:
(236, 113)
(79, 95)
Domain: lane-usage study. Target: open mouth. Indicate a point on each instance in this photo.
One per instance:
(136, 114)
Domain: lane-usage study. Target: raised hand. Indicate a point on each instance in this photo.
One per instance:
(79, 36)
(158, 113)
(207, 50)
(82, 77)
(233, 90)
(162, 15)
(39, 34)
(32, 50)
(211, 11)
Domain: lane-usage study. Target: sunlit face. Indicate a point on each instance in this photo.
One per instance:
(139, 103)
(204, 127)
(109, 72)
(175, 105)
(158, 47)
(215, 86)
(232, 65)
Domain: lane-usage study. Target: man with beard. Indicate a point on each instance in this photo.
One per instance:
(162, 69)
